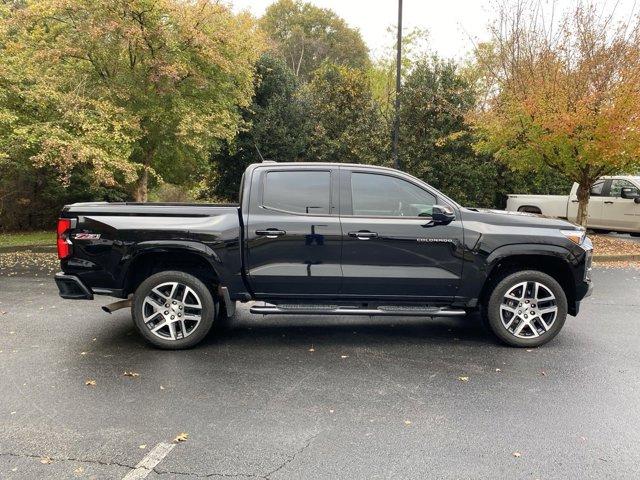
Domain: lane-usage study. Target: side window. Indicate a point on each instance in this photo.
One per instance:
(618, 185)
(385, 196)
(298, 192)
(596, 189)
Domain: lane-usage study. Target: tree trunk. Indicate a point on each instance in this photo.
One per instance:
(583, 193)
(141, 188)
(140, 193)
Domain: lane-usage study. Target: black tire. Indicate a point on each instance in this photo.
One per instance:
(198, 332)
(493, 306)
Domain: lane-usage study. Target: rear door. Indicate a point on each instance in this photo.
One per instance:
(390, 246)
(293, 232)
(596, 201)
(596, 214)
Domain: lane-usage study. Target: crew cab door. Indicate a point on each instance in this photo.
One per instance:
(621, 213)
(391, 247)
(595, 217)
(293, 232)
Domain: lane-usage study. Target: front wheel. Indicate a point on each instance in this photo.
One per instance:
(526, 309)
(173, 310)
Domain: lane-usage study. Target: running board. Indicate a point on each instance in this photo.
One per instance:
(337, 310)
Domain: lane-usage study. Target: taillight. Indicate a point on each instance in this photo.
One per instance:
(64, 246)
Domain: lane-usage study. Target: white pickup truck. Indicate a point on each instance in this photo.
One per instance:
(614, 205)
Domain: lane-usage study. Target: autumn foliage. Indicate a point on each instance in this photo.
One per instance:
(564, 97)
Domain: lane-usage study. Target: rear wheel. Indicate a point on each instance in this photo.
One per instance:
(526, 309)
(173, 310)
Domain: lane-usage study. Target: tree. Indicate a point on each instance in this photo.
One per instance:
(306, 36)
(566, 98)
(276, 126)
(437, 143)
(139, 87)
(346, 121)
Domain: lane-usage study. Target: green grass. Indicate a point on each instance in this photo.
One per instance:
(20, 239)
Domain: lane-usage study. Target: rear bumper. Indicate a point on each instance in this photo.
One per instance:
(72, 288)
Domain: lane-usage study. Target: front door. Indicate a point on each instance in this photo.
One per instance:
(391, 248)
(621, 213)
(293, 232)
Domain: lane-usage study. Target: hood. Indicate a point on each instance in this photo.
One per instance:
(516, 219)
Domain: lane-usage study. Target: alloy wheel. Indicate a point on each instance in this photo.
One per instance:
(172, 310)
(528, 309)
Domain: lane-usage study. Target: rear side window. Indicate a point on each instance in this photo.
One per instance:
(298, 192)
(596, 189)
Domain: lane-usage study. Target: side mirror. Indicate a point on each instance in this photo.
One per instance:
(442, 215)
(629, 193)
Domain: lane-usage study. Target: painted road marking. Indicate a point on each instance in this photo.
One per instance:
(148, 463)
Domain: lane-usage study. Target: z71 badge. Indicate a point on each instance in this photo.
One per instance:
(86, 236)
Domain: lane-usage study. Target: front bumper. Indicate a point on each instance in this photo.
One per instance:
(72, 288)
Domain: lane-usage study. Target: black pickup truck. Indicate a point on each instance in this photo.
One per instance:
(324, 239)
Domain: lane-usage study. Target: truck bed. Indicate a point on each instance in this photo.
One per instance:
(548, 205)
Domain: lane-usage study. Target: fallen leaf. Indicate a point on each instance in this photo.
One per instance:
(182, 437)
(498, 370)
(543, 373)
(330, 411)
(312, 349)
(407, 422)
(83, 353)
(13, 413)
(2, 312)
(463, 379)
(344, 356)
(78, 470)
(517, 454)
(131, 374)
(89, 382)
(94, 339)
(143, 446)
(529, 350)
(46, 460)
(161, 387)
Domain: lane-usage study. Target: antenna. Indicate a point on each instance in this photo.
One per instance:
(260, 154)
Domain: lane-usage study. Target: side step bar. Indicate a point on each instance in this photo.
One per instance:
(337, 310)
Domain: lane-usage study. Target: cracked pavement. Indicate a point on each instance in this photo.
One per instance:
(318, 398)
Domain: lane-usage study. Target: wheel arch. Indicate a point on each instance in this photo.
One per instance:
(530, 209)
(155, 259)
(553, 262)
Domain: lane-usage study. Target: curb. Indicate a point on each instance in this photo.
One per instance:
(617, 258)
(22, 248)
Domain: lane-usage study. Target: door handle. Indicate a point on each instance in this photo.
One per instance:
(271, 233)
(363, 235)
(608, 202)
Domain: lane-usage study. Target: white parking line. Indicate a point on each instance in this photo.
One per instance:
(147, 464)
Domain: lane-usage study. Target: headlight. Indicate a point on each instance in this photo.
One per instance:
(576, 236)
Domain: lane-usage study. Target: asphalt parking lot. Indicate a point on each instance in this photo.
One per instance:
(318, 398)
